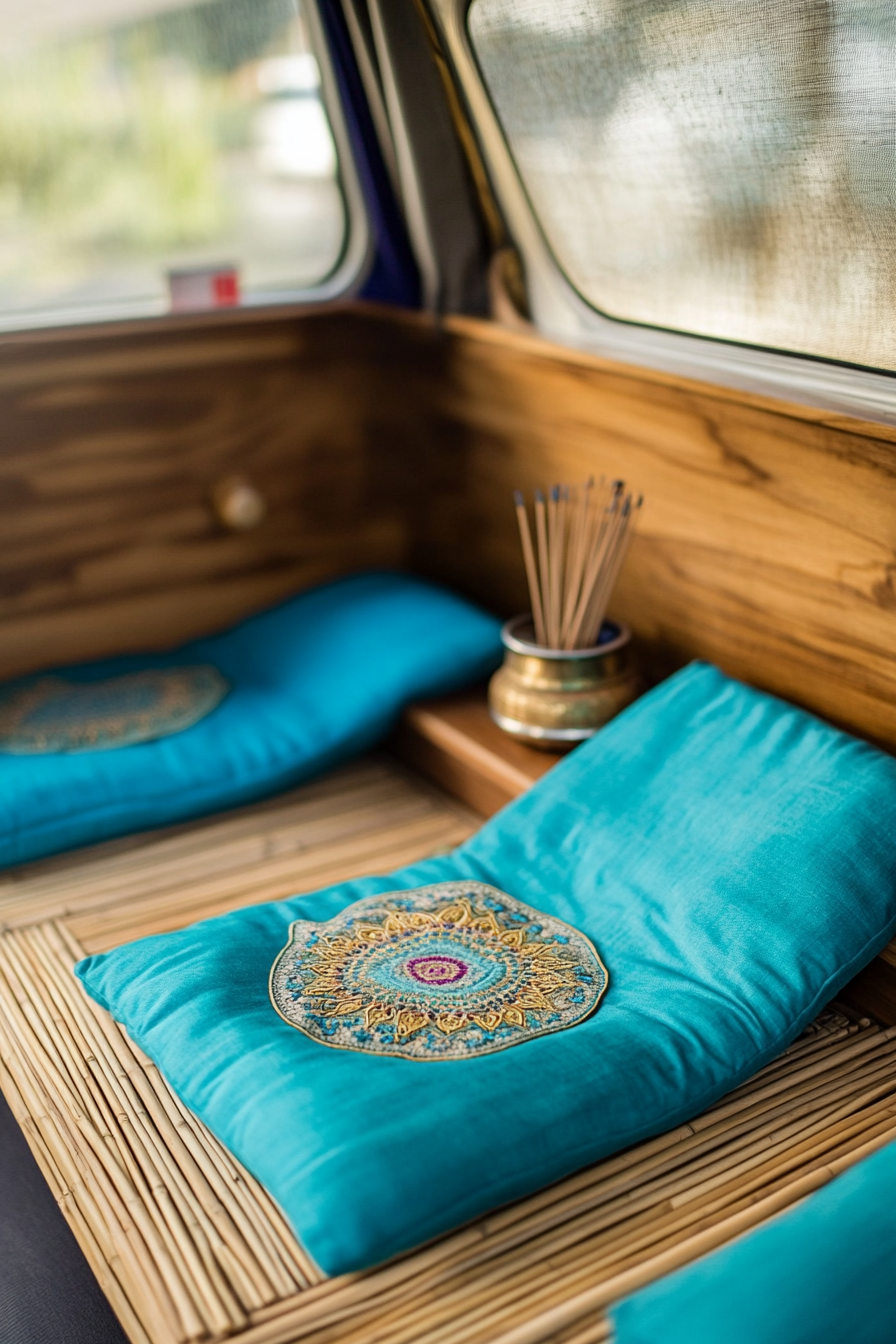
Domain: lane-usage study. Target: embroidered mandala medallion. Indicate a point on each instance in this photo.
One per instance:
(55, 715)
(450, 971)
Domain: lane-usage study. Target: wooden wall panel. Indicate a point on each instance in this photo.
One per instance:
(110, 444)
(768, 541)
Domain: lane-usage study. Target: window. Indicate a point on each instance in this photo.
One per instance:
(719, 167)
(152, 151)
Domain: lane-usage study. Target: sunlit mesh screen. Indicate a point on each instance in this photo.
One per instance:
(144, 137)
(725, 167)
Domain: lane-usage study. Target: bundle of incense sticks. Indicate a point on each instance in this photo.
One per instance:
(582, 538)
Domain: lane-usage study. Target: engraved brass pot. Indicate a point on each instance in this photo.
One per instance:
(555, 698)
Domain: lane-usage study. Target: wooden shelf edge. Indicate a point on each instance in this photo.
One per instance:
(454, 742)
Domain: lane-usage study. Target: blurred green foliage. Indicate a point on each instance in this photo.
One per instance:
(113, 142)
(113, 152)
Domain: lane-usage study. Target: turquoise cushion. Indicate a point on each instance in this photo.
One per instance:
(732, 860)
(310, 682)
(823, 1273)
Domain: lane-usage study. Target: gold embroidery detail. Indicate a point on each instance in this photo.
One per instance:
(53, 714)
(409, 1022)
(456, 961)
(546, 974)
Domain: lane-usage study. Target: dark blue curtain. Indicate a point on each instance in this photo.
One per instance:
(393, 277)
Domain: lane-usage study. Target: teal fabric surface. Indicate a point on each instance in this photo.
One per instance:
(823, 1273)
(312, 681)
(731, 858)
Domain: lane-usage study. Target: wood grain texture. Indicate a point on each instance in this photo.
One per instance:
(454, 742)
(874, 988)
(111, 445)
(768, 541)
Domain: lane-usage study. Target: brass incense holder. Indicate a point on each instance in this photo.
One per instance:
(555, 698)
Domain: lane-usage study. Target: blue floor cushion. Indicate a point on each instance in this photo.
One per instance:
(650, 924)
(96, 751)
(822, 1273)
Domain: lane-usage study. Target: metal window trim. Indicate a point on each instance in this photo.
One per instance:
(561, 314)
(441, 207)
(344, 281)
(363, 46)
(410, 187)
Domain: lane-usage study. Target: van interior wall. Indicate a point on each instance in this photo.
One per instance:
(378, 438)
(767, 543)
(112, 442)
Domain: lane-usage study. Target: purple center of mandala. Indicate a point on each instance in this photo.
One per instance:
(437, 970)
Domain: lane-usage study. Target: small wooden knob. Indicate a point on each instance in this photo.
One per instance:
(237, 504)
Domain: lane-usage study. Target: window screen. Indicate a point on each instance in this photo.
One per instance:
(151, 149)
(723, 167)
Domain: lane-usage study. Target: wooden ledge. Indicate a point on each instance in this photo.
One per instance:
(454, 742)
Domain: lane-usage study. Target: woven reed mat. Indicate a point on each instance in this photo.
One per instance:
(188, 1246)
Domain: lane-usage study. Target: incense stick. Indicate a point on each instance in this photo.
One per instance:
(577, 544)
(541, 530)
(531, 571)
(555, 566)
(583, 538)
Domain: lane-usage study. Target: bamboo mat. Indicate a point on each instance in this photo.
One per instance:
(188, 1246)
(369, 817)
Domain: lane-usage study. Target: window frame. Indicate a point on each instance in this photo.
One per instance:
(345, 279)
(562, 314)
